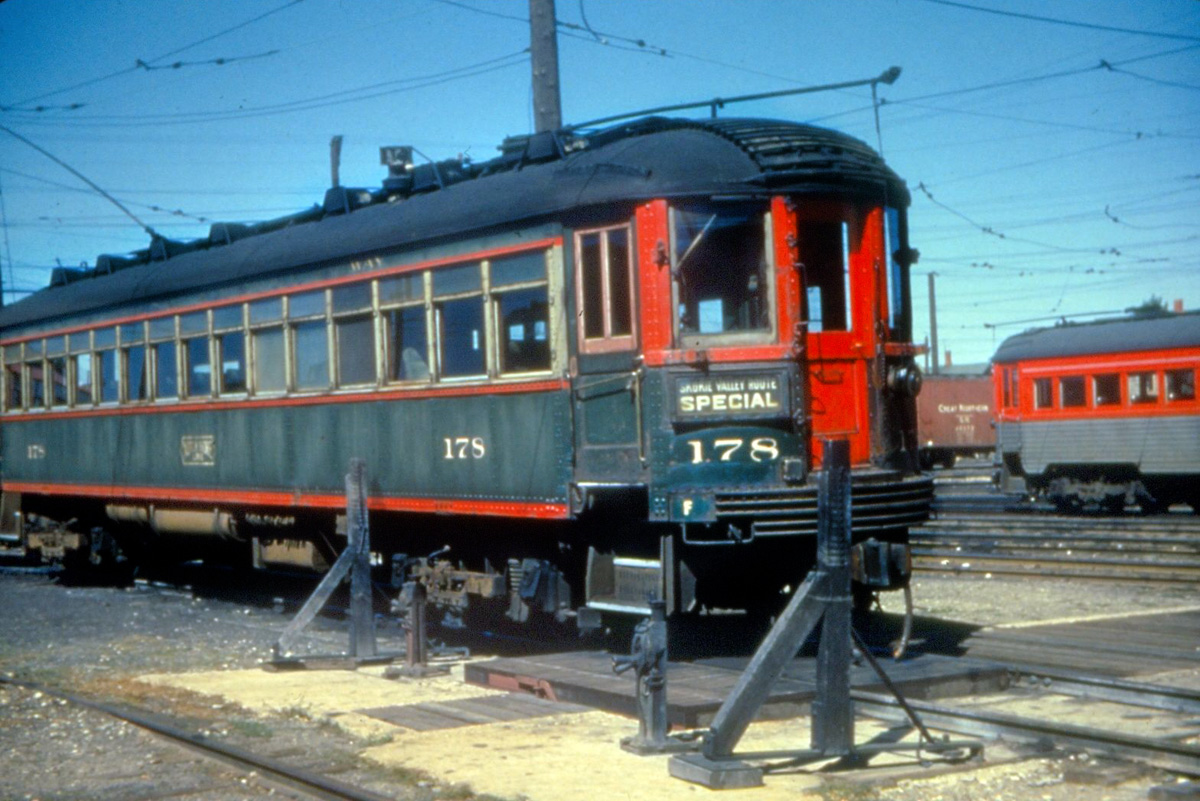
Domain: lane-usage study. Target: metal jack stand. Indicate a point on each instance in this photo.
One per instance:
(416, 657)
(824, 597)
(354, 562)
(649, 659)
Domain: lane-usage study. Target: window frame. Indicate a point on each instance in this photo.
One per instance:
(154, 343)
(386, 340)
(358, 314)
(293, 324)
(499, 333)
(438, 303)
(607, 342)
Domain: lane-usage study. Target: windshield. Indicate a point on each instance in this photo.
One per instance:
(720, 267)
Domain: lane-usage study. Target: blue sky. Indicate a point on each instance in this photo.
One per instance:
(1054, 163)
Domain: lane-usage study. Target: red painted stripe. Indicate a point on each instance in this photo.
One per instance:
(524, 509)
(365, 275)
(398, 394)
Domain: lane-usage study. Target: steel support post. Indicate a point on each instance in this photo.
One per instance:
(832, 710)
(354, 563)
(824, 598)
(362, 616)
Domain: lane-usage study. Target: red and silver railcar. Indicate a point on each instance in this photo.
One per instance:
(1103, 414)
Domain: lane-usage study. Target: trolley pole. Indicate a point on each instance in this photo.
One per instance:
(543, 46)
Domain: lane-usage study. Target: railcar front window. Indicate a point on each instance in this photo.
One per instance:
(1143, 388)
(1071, 391)
(1106, 389)
(1181, 385)
(719, 262)
(897, 313)
(1043, 397)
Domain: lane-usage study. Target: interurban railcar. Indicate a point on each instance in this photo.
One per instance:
(1102, 415)
(595, 368)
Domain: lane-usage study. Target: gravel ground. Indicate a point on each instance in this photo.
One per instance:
(93, 641)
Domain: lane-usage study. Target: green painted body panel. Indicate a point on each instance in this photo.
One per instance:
(516, 447)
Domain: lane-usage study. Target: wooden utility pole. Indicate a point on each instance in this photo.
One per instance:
(933, 343)
(543, 46)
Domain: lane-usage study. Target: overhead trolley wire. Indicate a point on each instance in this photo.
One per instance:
(1071, 23)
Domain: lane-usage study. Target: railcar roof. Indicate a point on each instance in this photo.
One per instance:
(629, 163)
(1105, 336)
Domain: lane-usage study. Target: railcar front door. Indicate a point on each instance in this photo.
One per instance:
(606, 387)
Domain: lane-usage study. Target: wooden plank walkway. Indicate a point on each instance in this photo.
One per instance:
(696, 690)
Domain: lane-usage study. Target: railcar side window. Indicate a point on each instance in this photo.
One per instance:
(1043, 397)
(106, 367)
(719, 262)
(165, 356)
(82, 365)
(13, 396)
(35, 374)
(268, 352)
(56, 363)
(522, 312)
(193, 333)
(354, 334)
(405, 333)
(231, 349)
(1143, 388)
(1071, 391)
(1106, 389)
(1181, 385)
(460, 322)
(133, 362)
(604, 289)
(310, 340)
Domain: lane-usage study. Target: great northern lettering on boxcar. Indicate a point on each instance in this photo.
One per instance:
(596, 367)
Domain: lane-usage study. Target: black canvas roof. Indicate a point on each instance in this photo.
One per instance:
(648, 158)
(1106, 336)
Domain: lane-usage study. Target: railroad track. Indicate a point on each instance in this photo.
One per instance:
(1163, 548)
(299, 783)
(1174, 710)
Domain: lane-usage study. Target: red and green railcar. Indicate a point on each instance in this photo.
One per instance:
(596, 367)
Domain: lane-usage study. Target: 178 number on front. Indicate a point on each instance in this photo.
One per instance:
(464, 448)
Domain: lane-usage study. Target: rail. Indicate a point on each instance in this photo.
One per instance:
(296, 779)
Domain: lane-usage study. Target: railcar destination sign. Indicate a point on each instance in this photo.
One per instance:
(735, 394)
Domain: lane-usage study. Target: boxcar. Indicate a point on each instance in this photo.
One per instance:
(1104, 414)
(594, 367)
(954, 418)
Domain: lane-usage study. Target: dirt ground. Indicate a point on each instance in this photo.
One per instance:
(197, 659)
